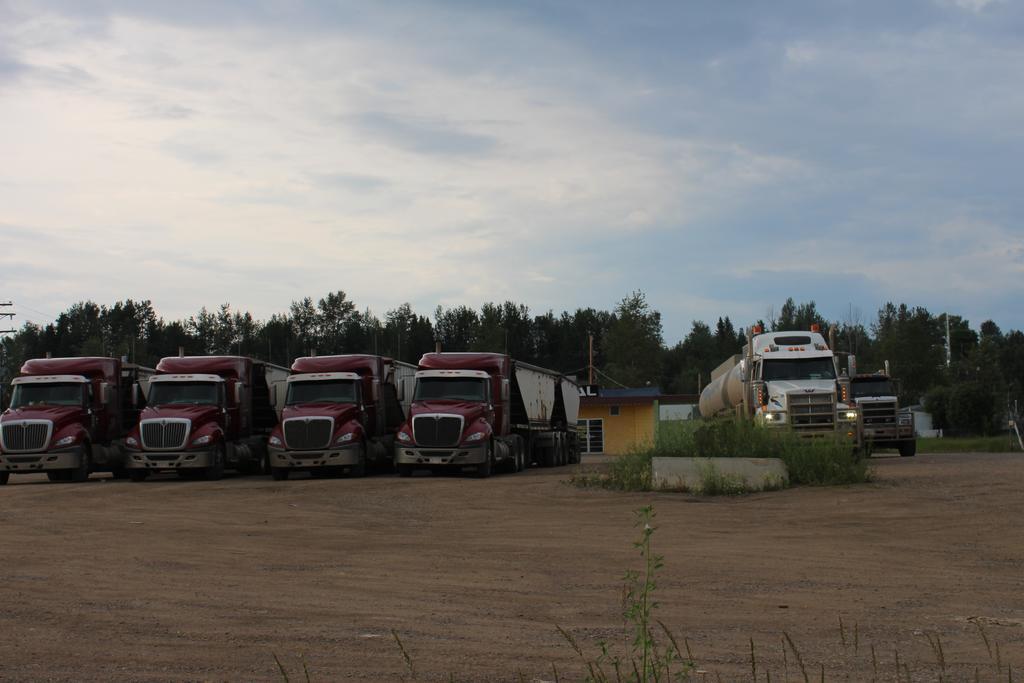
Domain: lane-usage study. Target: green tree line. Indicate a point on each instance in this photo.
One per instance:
(971, 393)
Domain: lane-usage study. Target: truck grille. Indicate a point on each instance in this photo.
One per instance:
(303, 434)
(811, 412)
(879, 414)
(165, 434)
(437, 430)
(26, 435)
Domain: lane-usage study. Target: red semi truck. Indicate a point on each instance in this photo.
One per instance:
(205, 414)
(340, 414)
(486, 410)
(68, 417)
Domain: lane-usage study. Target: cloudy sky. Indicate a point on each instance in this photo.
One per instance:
(719, 156)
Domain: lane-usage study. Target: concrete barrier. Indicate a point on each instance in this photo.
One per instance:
(728, 474)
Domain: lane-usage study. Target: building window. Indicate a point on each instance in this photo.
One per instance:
(613, 411)
(591, 434)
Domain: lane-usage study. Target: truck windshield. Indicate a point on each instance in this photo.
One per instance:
(798, 368)
(450, 389)
(338, 391)
(64, 394)
(872, 387)
(195, 393)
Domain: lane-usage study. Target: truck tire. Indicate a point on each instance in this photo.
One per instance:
(4, 478)
(279, 473)
(81, 473)
(359, 469)
(215, 472)
(549, 457)
(119, 473)
(138, 475)
(908, 449)
(483, 470)
(404, 470)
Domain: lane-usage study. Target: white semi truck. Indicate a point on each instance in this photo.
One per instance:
(784, 379)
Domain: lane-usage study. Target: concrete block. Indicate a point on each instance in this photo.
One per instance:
(734, 474)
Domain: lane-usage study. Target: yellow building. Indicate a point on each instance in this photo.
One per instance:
(618, 419)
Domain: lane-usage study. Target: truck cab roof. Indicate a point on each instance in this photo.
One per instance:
(807, 344)
(361, 363)
(491, 363)
(237, 367)
(92, 367)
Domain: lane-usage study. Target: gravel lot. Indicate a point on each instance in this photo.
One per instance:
(183, 580)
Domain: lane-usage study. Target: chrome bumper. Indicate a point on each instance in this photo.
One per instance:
(43, 461)
(345, 456)
(462, 455)
(168, 460)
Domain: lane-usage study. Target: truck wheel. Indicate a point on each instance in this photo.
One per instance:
(215, 471)
(279, 473)
(4, 478)
(359, 469)
(138, 475)
(81, 473)
(404, 470)
(908, 449)
(483, 470)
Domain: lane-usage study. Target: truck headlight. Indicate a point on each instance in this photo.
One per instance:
(777, 417)
(66, 441)
(850, 415)
(274, 441)
(345, 438)
(131, 442)
(202, 440)
(403, 436)
(476, 436)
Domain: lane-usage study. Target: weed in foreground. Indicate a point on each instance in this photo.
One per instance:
(646, 658)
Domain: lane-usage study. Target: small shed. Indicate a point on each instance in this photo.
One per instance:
(616, 420)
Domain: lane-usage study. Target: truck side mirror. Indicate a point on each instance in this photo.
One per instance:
(136, 395)
(375, 390)
(239, 393)
(851, 365)
(104, 393)
(505, 390)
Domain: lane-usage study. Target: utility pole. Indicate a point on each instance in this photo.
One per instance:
(590, 364)
(949, 350)
(7, 314)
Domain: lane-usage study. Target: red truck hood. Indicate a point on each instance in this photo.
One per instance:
(198, 414)
(470, 411)
(341, 412)
(61, 416)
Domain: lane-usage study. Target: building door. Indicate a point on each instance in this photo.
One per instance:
(591, 433)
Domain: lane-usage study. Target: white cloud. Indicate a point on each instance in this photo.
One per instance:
(184, 142)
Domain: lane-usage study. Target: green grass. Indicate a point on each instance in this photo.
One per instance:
(814, 462)
(975, 444)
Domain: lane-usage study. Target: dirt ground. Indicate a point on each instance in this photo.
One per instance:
(184, 580)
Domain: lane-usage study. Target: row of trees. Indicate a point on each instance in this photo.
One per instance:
(967, 384)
